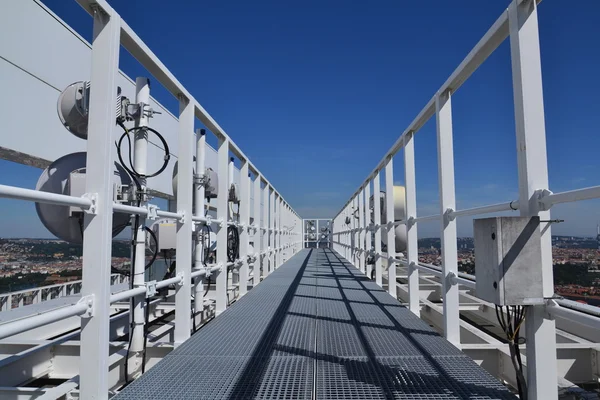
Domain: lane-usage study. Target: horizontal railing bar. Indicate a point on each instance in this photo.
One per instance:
(130, 209)
(21, 325)
(572, 195)
(512, 206)
(13, 192)
(127, 294)
(168, 214)
(167, 282)
(428, 218)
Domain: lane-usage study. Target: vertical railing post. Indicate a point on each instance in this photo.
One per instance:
(412, 246)
(271, 230)
(245, 221)
(367, 227)
(265, 231)
(223, 215)
(199, 194)
(391, 231)
(185, 227)
(97, 238)
(533, 178)
(378, 229)
(443, 112)
(361, 233)
(257, 231)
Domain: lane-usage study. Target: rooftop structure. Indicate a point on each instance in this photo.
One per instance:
(229, 292)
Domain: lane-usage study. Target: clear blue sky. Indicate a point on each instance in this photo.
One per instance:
(315, 92)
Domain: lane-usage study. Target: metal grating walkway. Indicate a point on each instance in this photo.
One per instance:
(316, 328)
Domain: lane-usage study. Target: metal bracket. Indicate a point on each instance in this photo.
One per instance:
(449, 215)
(150, 288)
(452, 278)
(182, 216)
(207, 272)
(93, 197)
(152, 212)
(181, 276)
(200, 179)
(89, 302)
(541, 193)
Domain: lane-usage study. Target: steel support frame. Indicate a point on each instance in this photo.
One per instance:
(412, 246)
(271, 230)
(245, 182)
(533, 177)
(265, 231)
(443, 113)
(256, 270)
(367, 232)
(391, 234)
(378, 228)
(185, 226)
(97, 238)
(361, 232)
(223, 215)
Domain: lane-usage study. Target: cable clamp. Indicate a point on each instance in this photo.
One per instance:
(93, 197)
(207, 272)
(89, 302)
(181, 216)
(208, 220)
(150, 288)
(152, 212)
(181, 280)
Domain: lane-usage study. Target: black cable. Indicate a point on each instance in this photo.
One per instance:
(147, 320)
(233, 243)
(131, 169)
(151, 232)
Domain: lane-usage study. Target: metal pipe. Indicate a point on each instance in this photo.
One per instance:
(199, 193)
(25, 324)
(167, 282)
(11, 192)
(572, 195)
(130, 209)
(513, 205)
(127, 294)
(167, 214)
(574, 316)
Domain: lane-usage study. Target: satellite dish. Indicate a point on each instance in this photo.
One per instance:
(72, 107)
(59, 219)
(399, 215)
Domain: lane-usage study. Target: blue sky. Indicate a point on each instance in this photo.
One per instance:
(315, 92)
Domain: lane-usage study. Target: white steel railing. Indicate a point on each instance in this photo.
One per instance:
(519, 23)
(20, 298)
(271, 241)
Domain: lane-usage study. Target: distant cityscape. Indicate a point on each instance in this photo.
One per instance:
(30, 263)
(576, 262)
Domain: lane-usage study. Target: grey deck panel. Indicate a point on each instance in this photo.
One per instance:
(316, 328)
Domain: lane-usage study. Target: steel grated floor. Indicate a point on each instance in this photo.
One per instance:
(316, 328)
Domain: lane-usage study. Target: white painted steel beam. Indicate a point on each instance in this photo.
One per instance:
(443, 108)
(391, 234)
(412, 246)
(185, 226)
(223, 214)
(97, 238)
(533, 176)
(378, 229)
(245, 221)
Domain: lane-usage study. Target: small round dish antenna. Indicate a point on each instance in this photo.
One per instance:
(72, 107)
(67, 176)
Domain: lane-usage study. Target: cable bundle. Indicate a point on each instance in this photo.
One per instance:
(233, 244)
(511, 325)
